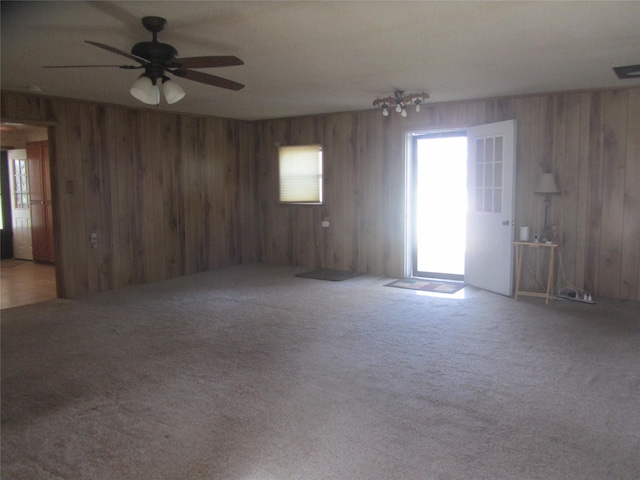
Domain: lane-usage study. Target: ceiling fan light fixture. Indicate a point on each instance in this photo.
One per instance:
(157, 58)
(172, 91)
(144, 90)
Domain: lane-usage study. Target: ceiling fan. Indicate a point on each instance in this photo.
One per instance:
(157, 59)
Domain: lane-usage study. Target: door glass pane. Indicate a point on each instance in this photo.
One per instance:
(479, 150)
(488, 150)
(498, 149)
(488, 200)
(20, 183)
(479, 175)
(497, 168)
(488, 175)
(479, 200)
(497, 200)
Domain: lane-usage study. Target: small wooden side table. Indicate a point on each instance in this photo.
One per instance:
(520, 246)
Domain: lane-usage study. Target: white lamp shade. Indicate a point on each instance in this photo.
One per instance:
(547, 184)
(173, 92)
(144, 90)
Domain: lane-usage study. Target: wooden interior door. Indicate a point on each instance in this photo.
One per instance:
(41, 204)
(48, 202)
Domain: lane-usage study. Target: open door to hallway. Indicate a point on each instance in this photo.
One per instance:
(24, 279)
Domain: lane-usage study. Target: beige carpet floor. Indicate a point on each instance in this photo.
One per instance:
(251, 373)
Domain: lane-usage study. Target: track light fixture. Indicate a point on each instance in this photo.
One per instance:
(400, 101)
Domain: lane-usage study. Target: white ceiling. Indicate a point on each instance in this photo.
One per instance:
(311, 57)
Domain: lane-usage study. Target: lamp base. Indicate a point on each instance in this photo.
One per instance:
(550, 234)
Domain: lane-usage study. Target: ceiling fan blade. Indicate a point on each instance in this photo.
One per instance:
(628, 71)
(208, 79)
(205, 62)
(119, 52)
(128, 67)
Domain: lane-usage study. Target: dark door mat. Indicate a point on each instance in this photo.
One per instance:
(327, 274)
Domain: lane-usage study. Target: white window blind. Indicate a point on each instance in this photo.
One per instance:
(301, 174)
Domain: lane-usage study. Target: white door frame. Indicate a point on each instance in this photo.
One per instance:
(416, 188)
(408, 188)
(507, 231)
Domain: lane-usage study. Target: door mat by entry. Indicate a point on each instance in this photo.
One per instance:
(425, 285)
(327, 274)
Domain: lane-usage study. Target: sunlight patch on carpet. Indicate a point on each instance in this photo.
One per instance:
(439, 286)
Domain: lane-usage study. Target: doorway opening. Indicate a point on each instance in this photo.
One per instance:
(438, 206)
(28, 269)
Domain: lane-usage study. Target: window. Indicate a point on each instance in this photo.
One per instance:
(301, 174)
(489, 174)
(20, 183)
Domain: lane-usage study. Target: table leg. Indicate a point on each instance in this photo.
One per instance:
(550, 276)
(519, 249)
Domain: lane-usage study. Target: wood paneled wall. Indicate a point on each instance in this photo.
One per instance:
(590, 140)
(175, 194)
(167, 194)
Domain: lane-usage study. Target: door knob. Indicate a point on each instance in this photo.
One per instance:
(506, 222)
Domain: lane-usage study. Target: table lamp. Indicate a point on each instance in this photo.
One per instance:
(548, 186)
